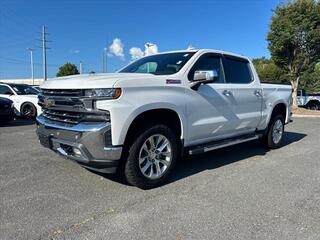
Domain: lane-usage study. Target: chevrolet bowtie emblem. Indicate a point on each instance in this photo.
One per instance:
(48, 102)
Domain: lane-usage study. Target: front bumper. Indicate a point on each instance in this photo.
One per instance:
(85, 143)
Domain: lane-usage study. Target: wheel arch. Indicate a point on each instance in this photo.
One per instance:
(315, 101)
(279, 108)
(25, 103)
(164, 115)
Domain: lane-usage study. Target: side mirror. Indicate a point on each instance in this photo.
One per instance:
(203, 77)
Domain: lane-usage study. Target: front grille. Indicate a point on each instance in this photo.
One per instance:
(62, 116)
(69, 106)
(62, 92)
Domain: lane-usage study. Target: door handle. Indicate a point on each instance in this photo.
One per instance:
(227, 93)
(257, 93)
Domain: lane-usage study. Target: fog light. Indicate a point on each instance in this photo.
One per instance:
(77, 151)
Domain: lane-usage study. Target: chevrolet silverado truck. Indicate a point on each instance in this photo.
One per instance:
(140, 120)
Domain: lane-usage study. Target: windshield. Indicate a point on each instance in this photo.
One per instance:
(24, 90)
(160, 64)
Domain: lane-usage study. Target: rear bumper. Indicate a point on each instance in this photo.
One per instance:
(85, 143)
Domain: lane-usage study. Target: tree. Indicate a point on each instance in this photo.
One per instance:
(294, 38)
(67, 69)
(269, 72)
(310, 80)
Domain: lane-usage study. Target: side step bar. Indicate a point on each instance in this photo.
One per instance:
(222, 143)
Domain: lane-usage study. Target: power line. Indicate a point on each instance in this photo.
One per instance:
(13, 60)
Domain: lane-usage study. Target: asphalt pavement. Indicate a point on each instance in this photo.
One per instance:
(240, 192)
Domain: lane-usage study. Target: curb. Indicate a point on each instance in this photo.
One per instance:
(305, 116)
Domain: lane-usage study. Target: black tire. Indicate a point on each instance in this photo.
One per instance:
(268, 138)
(28, 111)
(132, 173)
(313, 106)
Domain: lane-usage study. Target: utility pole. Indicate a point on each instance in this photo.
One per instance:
(80, 67)
(44, 53)
(32, 66)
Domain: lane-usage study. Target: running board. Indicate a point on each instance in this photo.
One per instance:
(220, 144)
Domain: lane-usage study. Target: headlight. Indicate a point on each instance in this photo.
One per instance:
(111, 93)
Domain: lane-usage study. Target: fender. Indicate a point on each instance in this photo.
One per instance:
(153, 106)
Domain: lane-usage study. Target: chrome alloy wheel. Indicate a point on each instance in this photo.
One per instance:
(155, 156)
(277, 131)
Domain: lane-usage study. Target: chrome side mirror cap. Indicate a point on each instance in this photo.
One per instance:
(205, 75)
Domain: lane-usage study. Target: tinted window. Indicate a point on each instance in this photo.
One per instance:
(159, 64)
(24, 89)
(236, 71)
(5, 90)
(208, 62)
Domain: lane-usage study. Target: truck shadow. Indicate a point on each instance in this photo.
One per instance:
(191, 165)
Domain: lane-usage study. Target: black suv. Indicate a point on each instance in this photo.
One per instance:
(6, 110)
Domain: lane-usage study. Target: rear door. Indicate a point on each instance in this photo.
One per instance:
(243, 92)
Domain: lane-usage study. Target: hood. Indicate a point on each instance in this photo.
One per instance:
(5, 101)
(87, 81)
(31, 96)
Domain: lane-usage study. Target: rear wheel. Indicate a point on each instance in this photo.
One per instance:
(274, 135)
(313, 106)
(151, 157)
(29, 111)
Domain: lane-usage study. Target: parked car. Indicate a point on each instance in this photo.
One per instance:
(6, 110)
(140, 120)
(310, 101)
(24, 97)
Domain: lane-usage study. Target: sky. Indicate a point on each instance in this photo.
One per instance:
(80, 30)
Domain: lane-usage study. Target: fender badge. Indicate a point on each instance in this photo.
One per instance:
(173, 81)
(48, 102)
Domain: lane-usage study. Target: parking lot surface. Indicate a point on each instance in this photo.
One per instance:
(240, 192)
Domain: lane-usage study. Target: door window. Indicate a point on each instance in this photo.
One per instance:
(5, 90)
(237, 71)
(208, 62)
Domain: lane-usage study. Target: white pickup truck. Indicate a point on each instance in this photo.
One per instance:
(310, 101)
(142, 119)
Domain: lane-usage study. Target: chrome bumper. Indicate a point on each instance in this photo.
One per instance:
(86, 143)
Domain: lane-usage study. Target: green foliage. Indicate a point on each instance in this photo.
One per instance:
(269, 72)
(310, 80)
(294, 37)
(67, 69)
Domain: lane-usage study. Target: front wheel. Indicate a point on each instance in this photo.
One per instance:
(28, 111)
(273, 138)
(152, 156)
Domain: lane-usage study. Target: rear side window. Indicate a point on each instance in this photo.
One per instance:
(237, 71)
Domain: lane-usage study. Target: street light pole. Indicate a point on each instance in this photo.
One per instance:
(32, 65)
(80, 67)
